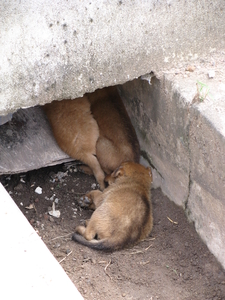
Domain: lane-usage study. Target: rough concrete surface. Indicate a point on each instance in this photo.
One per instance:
(181, 127)
(62, 49)
(32, 269)
(26, 143)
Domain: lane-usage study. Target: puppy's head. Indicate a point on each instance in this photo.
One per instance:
(131, 170)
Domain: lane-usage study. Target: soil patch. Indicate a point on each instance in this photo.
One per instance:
(172, 263)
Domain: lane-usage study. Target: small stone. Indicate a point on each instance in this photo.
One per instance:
(190, 68)
(211, 74)
(52, 197)
(36, 200)
(38, 223)
(38, 190)
(93, 186)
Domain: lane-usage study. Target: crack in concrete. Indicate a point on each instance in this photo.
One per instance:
(146, 157)
(186, 209)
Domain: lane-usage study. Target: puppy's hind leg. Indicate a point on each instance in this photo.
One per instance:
(92, 161)
(87, 232)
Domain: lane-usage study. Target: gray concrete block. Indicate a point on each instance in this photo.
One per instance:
(161, 119)
(183, 138)
(27, 143)
(207, 147)
(207, 212)
(56, 50)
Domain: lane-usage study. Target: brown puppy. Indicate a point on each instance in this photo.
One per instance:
(123, 211)
(76, 132)
(117, 141)
(96, 130)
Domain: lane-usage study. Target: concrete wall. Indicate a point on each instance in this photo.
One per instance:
(62, 49)
(184, 142)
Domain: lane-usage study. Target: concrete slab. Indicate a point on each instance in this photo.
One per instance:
(28, 269)
(51, 51)
(27, 143)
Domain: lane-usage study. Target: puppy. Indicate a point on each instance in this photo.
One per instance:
(96, 130)
(117, 141)
(123, 211)
(76, 132)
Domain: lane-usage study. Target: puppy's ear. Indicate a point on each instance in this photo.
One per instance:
(118, 172)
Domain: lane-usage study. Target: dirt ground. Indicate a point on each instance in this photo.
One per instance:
(173, 263)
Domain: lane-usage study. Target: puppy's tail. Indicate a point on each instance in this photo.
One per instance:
(103, 244)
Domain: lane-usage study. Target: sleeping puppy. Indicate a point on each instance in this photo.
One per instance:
(123, 211)
(96, 130)
(76, 132)
(117, 140)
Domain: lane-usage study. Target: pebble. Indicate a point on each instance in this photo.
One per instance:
(93, 186)
(190, 69)
(38, 190)
(211, 74)
(52, 197)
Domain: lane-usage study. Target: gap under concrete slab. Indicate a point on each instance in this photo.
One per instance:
(28, 269)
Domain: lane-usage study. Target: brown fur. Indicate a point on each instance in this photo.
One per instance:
(117, 141)
(96, 130)
(123, 211)
(76, 132)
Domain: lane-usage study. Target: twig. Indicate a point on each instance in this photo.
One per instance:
(107, 265)
(59, 237)
(106, 269)
(172, 221)
(65, 257)
(144, 263)
(136, 252)
(148, 247)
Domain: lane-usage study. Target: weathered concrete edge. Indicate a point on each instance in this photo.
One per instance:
(33, 270)
(205, 202)
(196, 181)
(50, 52)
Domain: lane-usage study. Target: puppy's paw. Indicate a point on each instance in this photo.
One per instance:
(85, 201)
